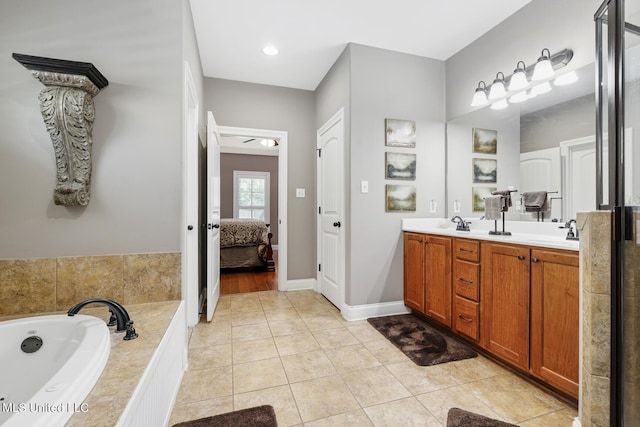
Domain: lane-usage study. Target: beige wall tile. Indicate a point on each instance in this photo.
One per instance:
(27, 286)
(595, 252)
(597, 333)
(81, 278)
(152, 277)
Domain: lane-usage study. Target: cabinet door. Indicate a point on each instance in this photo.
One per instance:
(438, 279)
(414, 271)
(555, 318)
(505, 302)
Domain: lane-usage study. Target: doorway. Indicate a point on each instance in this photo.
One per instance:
(236, 140)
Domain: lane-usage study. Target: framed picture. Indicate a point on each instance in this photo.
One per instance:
(485, 171)
(485, 141)
(477, 197)
(400, 166)
(400, 133)
(400, 198)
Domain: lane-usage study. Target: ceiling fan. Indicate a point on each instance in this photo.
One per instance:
(266, 142)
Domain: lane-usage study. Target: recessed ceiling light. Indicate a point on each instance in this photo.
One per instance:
(270, 50)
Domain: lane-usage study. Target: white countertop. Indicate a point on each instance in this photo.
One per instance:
(539, 234)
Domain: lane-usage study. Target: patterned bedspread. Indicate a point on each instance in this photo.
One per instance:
(242, 232)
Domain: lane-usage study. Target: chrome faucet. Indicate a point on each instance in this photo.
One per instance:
(570, 234)
(123, 322)
(461, 225)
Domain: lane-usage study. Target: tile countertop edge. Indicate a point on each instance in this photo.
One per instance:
(537, 240)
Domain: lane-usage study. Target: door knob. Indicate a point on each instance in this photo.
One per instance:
(210, 226)
(189, 227)
(337, 224)
(216, 225)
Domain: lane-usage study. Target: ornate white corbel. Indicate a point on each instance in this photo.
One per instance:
(66, 104)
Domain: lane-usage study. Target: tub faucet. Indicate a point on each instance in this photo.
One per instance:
(570, 234)
(123, 322)
(461, 224)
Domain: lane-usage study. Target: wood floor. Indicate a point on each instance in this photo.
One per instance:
(247, 280)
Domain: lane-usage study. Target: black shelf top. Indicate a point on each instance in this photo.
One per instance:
(40, 63)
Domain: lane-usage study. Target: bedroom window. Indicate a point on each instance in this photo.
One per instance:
(251, 195)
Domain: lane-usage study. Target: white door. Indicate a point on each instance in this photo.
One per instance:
(331, 224)
(540, 171)
(213, 215)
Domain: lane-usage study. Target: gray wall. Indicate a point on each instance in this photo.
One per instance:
(386, 84)
(292, 110)
(460, 154)
(137, 179)
(561, 122)
(551, 24)
(245, 162)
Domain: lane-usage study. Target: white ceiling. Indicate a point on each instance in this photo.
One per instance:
(311, 34)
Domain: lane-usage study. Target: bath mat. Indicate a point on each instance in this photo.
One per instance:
(460, 418)
(258, 416)
(420, 342)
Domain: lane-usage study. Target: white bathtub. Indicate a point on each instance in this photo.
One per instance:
(46, 387)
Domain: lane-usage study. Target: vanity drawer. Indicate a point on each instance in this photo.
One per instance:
(465, 317)
(467, 249)
(466, 277)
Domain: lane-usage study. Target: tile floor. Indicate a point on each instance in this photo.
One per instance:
(294, 351)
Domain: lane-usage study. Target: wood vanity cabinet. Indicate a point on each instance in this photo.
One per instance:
(414, 271)
(466, 287)
(555, 318)
(505, 302)
(427, 275)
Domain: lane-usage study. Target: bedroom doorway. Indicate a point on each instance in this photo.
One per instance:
(271, 147)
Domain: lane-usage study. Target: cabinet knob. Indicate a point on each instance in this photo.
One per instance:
(520, 257)
(534, 259)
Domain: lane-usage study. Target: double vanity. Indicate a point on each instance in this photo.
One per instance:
(515, 296)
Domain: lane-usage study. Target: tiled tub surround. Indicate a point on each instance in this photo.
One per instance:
(40, 285)
(127, 363)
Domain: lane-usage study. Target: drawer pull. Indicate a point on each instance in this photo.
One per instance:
(466, 319)
(465, 280)
(470, 251)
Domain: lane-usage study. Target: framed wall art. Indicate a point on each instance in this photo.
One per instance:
(478, 194)
(400, 133)
(485, 141)
(484, 171)
(400, 198)
(400, 166)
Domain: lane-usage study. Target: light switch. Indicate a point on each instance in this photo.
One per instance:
(364, 186)
(433, 206)
(300, 192)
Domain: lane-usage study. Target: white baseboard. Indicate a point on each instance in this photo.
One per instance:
(299, 284)
(360, 312)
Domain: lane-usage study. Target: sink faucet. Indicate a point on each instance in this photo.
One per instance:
(570, 234)
(461, 224)
(123, 322)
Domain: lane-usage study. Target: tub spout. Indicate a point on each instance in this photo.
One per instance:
(123, 322)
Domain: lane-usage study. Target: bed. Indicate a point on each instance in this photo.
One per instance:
(245, 243)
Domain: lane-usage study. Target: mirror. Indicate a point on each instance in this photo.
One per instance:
(546, 143)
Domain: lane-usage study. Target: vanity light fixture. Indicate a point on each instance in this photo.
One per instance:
(270, 50)
(566, 79)
(543, 69)
(519, 97)
(497, 90)
(480, 96)
(518, 78)
(500, 105)
(541, 88)
(525, 82)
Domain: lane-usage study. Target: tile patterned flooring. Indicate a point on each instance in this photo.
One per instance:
(294, 351)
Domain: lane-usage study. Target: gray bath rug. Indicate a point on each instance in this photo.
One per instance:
(420, 342)
(259, 416)
(460, 418)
